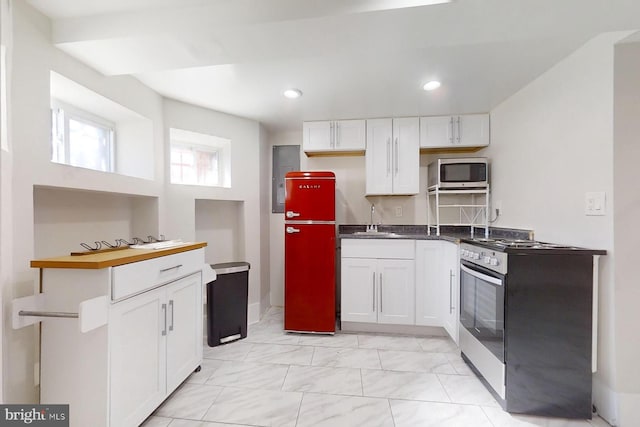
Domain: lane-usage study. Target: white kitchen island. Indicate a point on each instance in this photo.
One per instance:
(118, 373)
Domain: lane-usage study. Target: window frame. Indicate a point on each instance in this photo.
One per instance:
(71, 112)
(203, 143)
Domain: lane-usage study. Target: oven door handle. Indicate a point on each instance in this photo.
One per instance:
(481, 276)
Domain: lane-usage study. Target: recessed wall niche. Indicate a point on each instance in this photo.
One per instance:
(220, 223)
(64, 218)
(133, 150)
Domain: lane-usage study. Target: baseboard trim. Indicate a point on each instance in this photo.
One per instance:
(605, 401)
(393, 329)
(253, 314)
(264, 305)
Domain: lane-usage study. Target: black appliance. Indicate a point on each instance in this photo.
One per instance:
(526, 323)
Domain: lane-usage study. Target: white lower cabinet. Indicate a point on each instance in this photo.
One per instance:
(358, 290)
(138, 358)
(437, 285)
(156, 341)
(116, 375)
(396, 288)
(451, 267)
(400, 282)
(377, 281)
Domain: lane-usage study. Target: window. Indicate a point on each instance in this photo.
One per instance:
(81, 139)
(199, 159)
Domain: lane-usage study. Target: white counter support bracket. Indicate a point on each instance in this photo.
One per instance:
(91, 314)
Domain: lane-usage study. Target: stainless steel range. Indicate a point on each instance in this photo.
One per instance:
(526, 323)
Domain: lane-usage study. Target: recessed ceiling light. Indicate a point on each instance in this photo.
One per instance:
(433, 84)
(293, 93)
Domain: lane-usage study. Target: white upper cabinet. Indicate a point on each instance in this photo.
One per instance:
(393, 156)
(471, 130)
(333, 136)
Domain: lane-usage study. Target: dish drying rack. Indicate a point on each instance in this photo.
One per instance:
(473, 213)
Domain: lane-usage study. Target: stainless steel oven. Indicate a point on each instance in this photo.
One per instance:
(482, 307)
(482, 318)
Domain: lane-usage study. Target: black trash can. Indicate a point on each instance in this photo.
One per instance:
(227, 299)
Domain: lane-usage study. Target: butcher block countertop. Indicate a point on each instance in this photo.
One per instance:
(112, 258)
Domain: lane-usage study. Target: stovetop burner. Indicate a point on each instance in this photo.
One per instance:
(502, 244)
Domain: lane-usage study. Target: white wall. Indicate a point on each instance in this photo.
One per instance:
(626, 205)
(179, 200)
(550, 144)
(6, 169)
(265, 217)
(219, 223)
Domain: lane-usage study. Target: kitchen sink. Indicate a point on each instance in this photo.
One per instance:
(376, 233)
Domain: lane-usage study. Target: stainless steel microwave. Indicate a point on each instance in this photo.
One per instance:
(462, 172)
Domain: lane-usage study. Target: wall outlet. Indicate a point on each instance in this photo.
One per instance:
(595, 203)
(398, 211)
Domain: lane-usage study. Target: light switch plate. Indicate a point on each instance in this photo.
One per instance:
(398, 211)
(595, 203)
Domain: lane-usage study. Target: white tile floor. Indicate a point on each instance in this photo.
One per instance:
(275, 379)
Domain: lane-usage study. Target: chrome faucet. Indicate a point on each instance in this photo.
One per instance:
(372, 226)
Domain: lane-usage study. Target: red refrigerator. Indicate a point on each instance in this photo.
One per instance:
(310, 251)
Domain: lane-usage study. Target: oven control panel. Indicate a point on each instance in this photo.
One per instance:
(487, 258)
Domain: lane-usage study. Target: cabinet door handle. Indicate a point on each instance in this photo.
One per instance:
(380, 292)
(164, 270)
(395, 157)
(171, 311)
(291, 230)
(164, 316)
(331, 140)
(388, 155)
(337, 138)
(451, 291)
(373, 292)
(458, 135)
(451, 128)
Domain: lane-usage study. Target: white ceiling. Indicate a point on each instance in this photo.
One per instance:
(351, 58)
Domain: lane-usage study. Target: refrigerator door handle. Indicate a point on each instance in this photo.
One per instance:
(292, 214)
(291, 230)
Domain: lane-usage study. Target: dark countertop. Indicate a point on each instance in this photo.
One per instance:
(419, 232)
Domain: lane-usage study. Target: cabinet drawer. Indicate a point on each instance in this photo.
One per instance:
(378, 248)
(130, 279)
